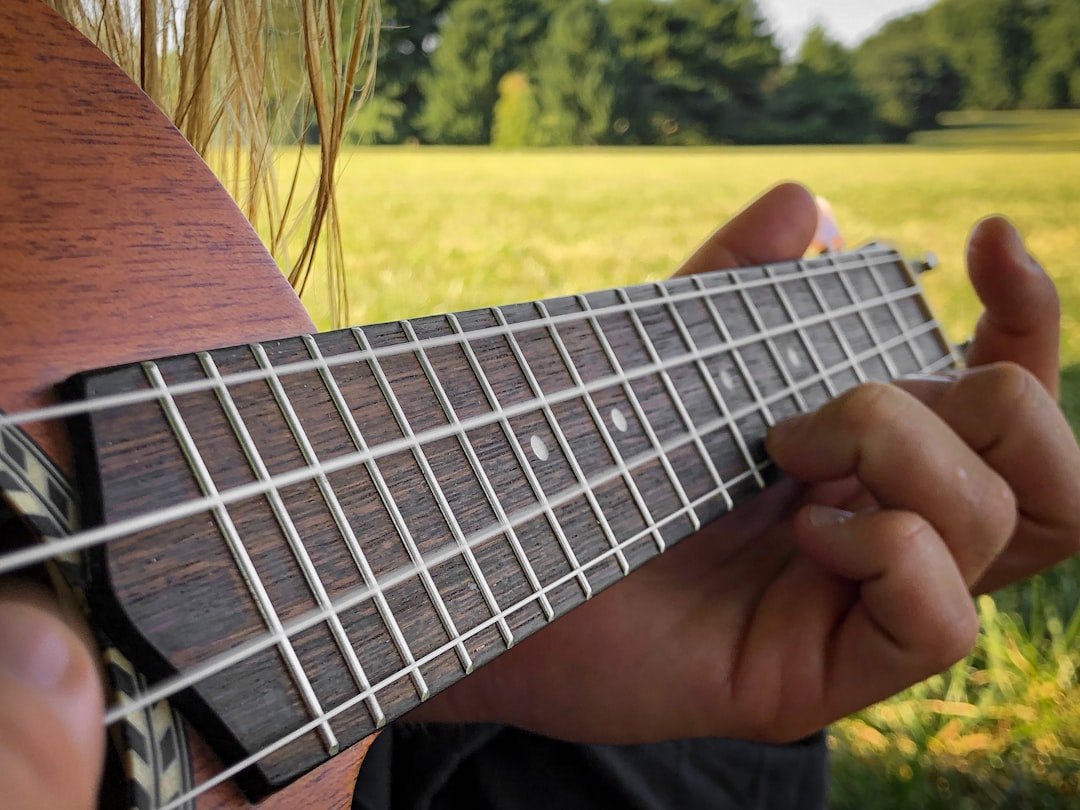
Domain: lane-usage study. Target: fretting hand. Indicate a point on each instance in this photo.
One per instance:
(818, 599)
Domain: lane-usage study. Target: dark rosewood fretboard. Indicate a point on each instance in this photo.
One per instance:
(306, 537)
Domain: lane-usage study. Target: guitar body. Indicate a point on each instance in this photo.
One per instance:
(118, 243)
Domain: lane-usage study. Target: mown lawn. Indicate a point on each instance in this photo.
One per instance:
(441, 229)
(446, 229)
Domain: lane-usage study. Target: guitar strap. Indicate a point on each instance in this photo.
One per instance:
(152, 741)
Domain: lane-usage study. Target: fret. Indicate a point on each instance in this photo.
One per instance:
(240, 554)
(847, 350)
(489, 494)
(523, 462)
(444, 453)
(717, 398)
(462, 398)
(917, 352)
(762, 408)
(618, 419)
(564, 445)
(673, 393)
(406, 536)
(767, 339)
(367, 574)
(794, 318)
(639, 413)
(890, 370)
(287, 525)
(893, 275)
(721, 371)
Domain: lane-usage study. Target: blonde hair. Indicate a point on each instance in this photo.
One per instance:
(241, 77)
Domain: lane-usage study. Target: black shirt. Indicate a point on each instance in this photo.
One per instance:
(414, 766)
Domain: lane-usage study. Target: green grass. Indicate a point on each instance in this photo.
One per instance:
(441, 229)
(446, 229)
(1058, 129)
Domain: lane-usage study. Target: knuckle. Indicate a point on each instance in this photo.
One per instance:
(1005, 383)
(868, 404)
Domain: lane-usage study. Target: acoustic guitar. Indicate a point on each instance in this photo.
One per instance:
(283, 544)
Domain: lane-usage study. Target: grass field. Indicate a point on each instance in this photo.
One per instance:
(442, 229)
(432, 229)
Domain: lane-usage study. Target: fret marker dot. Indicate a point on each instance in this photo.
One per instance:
(793, 357)
(619, 420)
(539, 448)
(727, 380)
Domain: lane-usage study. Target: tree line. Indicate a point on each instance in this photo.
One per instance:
(571, 72)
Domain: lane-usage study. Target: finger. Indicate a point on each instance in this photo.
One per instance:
(51, 727)
(1005, 415)
(777, 226)
(914, 616)
(908, 459)
(1021, 322)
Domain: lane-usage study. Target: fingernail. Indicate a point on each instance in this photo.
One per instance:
(1018, 251)
(825, 516)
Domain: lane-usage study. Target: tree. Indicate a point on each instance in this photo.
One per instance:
(820, 100)
(990, 44)
(575, 75)
(912, 79)
(517, 114)
(406, 41)
(1054, 78)
(479, 41)
(697, 67)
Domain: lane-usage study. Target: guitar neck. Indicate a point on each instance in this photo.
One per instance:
(368, 514)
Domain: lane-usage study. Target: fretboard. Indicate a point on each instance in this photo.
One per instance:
(307, 537)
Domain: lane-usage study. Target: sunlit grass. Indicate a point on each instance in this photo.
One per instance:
(431, 230)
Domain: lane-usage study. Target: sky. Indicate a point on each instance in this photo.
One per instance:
(849, 21)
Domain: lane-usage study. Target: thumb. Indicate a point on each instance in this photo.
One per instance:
(51, 727)
(1021, 323)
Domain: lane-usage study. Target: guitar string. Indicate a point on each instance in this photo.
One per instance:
(717, 399)
(816, 267)
(90, 537)
(639, 414)
(217, 664)
(236, 768)
(432, 481)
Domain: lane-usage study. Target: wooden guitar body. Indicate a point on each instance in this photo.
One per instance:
(117, 243)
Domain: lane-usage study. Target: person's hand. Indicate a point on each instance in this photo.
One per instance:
(817, 599)
(51, 729)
